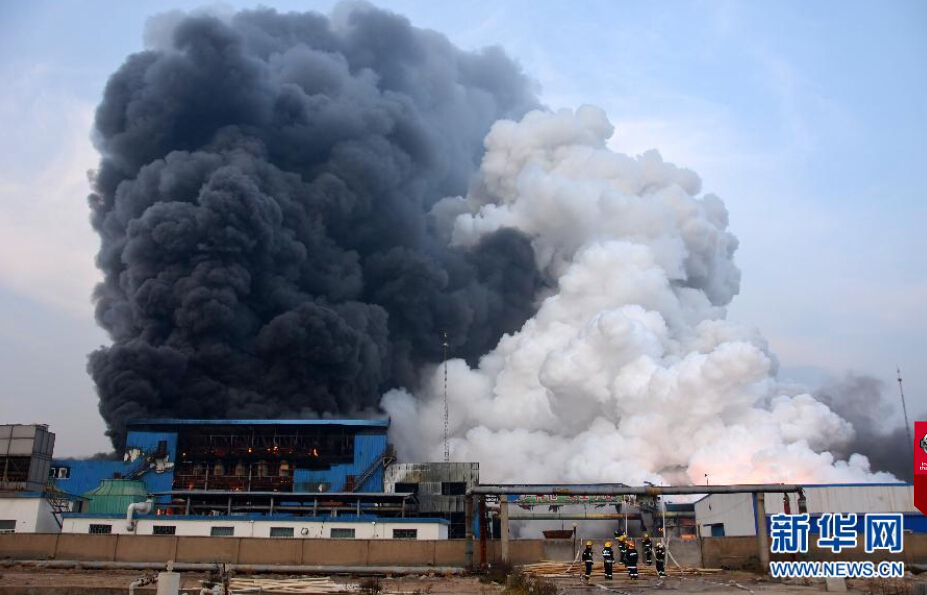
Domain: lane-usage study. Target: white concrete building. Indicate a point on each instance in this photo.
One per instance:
(341, 527)
(26, 504)
(26, 512)
(734, 514)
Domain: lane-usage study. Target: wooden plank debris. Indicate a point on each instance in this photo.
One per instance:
(309, 585)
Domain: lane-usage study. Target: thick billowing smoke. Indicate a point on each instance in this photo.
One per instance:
(628, 371)
(293, 208)
(861, 401)
(263, 203)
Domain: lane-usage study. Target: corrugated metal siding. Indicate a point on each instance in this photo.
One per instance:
(358, 423)
(367, 449)
(159, 482)
(432, 473)
(113, 496)
(87, 475)
(148, 441)
(850, 498)
(736, 510)
(429, 477)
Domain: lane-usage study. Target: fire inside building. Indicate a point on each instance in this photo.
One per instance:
(265, 470)
(339, 479)
(244, 456)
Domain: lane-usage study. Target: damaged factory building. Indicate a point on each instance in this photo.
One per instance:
(226, 478)
(439, 489)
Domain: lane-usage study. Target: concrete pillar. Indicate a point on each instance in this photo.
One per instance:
(483, 532)
(762, 538)
(504, 519)
(168, 583)
(468, 519)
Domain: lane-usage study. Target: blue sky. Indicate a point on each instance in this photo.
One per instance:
(807, 118)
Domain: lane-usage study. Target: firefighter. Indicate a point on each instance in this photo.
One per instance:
(647, 546)
(660, 556)
(608, 556)
(623, 547)
(632, 560)
(587, 560)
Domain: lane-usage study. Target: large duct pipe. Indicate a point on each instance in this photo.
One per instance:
(139, 508)
(555, 516)
(244, 568)
(616, 489)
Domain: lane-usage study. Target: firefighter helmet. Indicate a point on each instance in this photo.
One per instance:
(608, 544)
(588, 544)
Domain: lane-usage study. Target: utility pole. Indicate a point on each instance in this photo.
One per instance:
(907, 426)
(709, 495)
(447, 450)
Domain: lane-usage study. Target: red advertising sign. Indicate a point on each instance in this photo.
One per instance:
(920, 466)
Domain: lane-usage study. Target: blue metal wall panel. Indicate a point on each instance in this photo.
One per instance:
(86, 475)
(367, 449)
(159, 482)
(148, 441)
(356, 423)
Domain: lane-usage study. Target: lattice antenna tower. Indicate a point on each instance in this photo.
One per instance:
(447, 450)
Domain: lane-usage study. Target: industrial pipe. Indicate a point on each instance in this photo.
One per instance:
(554, 516)
(617, 489)
(244, 568)
(137, 507)
(140, 582)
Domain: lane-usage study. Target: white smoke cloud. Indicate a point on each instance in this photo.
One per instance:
(629, 371)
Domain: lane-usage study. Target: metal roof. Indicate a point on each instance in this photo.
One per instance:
(898, 484)
(288, 495)
(344, 518)
(119, 488)
(115, 495)
(370, 423)
(45, 494)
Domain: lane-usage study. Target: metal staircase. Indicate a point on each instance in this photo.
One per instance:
(144, 464)
(385, 459)
(59, 505)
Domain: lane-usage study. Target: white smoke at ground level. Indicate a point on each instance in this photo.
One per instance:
(629, 371)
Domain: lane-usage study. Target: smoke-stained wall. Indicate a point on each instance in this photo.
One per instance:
(263, 206)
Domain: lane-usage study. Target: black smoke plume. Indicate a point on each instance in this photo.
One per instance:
(879, 435)
(263, 204)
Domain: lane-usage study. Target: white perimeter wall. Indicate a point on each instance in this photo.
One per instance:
(737, 514)
(32, 515)
(259, 528)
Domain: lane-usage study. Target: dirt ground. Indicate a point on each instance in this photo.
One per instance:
(33, 581)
